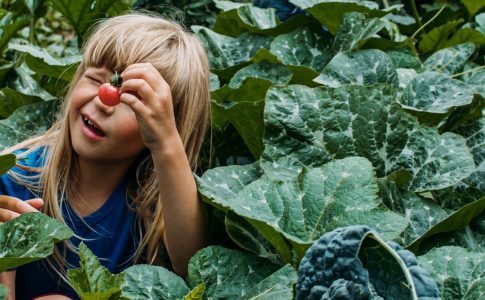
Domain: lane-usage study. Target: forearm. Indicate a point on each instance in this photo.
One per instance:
(183, 213)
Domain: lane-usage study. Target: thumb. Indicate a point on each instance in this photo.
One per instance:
(36, 203)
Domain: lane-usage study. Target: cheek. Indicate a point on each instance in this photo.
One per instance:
(128, 132)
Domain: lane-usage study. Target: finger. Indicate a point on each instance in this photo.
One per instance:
(147, 72)
(134, 103)
(16, 205)
(36, 203)
(7, 215)
(140, 86)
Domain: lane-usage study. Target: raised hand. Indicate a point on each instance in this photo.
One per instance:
(150, 97)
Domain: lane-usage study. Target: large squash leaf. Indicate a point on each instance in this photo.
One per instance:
(152, 282)
(314, 126)
(277, 286)
(41, 61)
(26, 122)
(82, 14)
(340, 193)
(29, 237)
(354, 30)
(460, 273)
(227, 273)
(364, 67)
(450, 60)
(92, 280)
(431, 96)
(330, 12)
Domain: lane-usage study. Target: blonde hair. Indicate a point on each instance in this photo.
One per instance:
(115, 44)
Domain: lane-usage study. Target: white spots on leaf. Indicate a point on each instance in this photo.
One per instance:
(345, 174)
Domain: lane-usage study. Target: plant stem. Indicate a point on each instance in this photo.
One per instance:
(32, 31)
(429, 21)
(412, 3)
(468, 71)
(385, 3)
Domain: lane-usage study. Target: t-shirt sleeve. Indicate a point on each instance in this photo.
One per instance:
(10, 187)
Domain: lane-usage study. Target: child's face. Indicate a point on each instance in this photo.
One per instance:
(99, 132)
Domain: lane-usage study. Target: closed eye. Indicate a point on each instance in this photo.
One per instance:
(94, 79)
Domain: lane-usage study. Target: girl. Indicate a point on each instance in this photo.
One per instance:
(119, 176)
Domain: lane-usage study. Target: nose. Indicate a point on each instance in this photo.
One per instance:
(106, 109)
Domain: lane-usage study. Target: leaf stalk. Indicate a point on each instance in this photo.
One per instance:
(429, 21)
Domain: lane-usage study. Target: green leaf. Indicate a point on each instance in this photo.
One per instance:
(422, 213)
(457, 220)
(403, 58)
(464, 115)
(229, 5)
(364, 67)
(277, 286)
(227, 54)
(305, 126)
(27, 85)
(431, 41)
(152, 282)
(82, 14)
(11, 100)
(473, 6)
(214, 82)
(5, 68)
(244, 175)
(120, 7)
(9, 26)
(241, 17)
(330, 12)
(474, 134)
(449, 60)
(431, 96)
(340, 193)
(243, 107)
(315, 54)
(405, 76)
(354, 30)
(460, 273)
(464, 35)
(247, 236)
(22, 241)
(3, 292)
(7, 161)
(226, 273)
(27, 122)
(196, 294)
(480, 20)
(92, 280)
(476, 80)
(41, 61)
(245, 18)
(275, 73)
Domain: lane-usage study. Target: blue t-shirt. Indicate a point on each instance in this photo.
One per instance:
(109, 232)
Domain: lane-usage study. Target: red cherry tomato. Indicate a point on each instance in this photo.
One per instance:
(109, 94)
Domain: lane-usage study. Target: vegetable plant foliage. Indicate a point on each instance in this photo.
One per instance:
(356, 123)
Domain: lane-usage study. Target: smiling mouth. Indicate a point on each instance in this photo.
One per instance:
(92, 127)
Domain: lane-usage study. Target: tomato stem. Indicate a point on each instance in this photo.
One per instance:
(116, 80)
